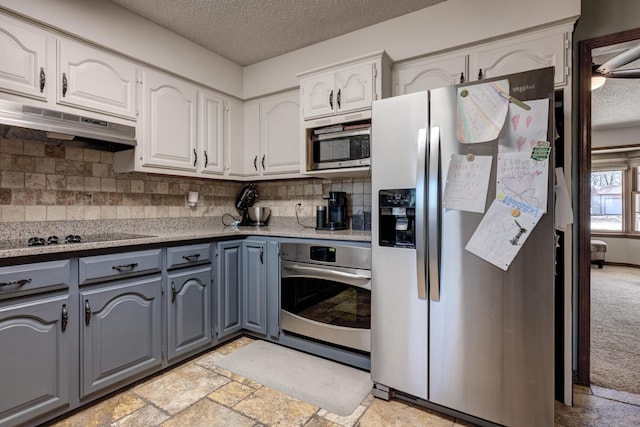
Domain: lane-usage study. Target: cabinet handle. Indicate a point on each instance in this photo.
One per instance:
(195, 157)
(339, 98)
(480, 74)
(192, 257)
(43, 79)
(64, 84)
(87, 312)
(125, 267)
(461, 77)
(331, 100)
(255, 163)
(263, 161)
(206, 159)
(261, 256)
(65, 317)
(20, 283)
(173, 292)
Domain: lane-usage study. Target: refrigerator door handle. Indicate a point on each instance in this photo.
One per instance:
(420, 214)
(433, 214)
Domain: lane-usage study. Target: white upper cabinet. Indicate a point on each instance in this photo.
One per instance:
(280, 134)
(546, 48)
(537, 49)
(212, 112)
(429, 73)
(343, 88)
(23, 59)
(169, 131)
(95, 80)
(272, 136)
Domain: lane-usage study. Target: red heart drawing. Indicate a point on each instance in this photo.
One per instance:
(514, 121)
(529, 120)
(520, 142)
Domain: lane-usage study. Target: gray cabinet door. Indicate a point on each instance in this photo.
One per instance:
(254, 297)
(120, 332)
(34, 360)
(229, 288)
(188, 311)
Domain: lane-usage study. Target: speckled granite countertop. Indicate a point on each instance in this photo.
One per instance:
(150, 232)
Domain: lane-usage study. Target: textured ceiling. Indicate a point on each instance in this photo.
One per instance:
(617, 103)
(249, 31)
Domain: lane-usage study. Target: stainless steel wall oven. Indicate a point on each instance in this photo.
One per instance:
(326, 293)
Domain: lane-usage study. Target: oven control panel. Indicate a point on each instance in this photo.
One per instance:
(322, 253)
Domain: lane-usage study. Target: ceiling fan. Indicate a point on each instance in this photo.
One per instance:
(610, 69)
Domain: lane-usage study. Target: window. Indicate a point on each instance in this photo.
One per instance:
(607, 201)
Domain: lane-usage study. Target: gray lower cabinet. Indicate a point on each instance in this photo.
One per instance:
(254, 286)
(229, 278)
(188, 311)
(34, 358)
(121, 332)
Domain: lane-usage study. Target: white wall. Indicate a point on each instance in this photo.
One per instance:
(446, 25)
(615, 137)
(113, 27)
(621, 250)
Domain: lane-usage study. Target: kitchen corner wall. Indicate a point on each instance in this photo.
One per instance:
(53, 181)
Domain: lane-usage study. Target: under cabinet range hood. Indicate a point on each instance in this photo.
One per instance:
(65, 126)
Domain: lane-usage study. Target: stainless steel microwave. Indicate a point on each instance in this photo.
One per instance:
(350, 148)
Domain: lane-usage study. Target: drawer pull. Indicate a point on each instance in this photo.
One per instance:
(87, 312)
(65, 317)
(125, 267)
(21, 282)
(192, 257)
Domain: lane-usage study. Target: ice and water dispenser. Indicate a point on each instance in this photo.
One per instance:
(397, 217)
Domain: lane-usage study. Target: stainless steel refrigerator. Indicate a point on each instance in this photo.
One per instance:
(449, 329)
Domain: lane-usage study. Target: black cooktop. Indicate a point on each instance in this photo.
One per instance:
(69, 239)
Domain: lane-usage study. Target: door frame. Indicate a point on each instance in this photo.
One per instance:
(584, 196)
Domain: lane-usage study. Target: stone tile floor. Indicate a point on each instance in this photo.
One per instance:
(198, 393)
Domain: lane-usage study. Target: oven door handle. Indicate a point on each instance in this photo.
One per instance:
(327, 273)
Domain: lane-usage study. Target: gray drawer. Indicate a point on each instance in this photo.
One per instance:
(182, 256)
(111, 267)
(24, 279)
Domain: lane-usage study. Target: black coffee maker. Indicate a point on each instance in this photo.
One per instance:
(334, 217)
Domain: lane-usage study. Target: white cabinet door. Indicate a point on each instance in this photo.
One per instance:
(523, 53)
(251, 155)
(95, 80)
(168, 122)
(234, 138)
(280, 134)
(318, 96)
(211, 124)
(23, 56)
(429, 73)
(354, 88)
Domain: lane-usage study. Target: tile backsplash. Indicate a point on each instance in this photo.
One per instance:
(48, 181)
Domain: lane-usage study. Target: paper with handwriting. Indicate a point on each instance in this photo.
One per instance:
(503, 230)
(523, 178)
(467, 182)
(481, 111)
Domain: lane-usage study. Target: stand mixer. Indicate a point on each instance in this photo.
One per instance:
(244, 203)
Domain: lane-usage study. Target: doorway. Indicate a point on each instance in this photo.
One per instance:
(586, 48)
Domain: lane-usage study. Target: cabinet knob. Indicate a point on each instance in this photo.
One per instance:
(206, 159)
(461, 77)
(480, 74)
(64, 84)
(331, 99)
(65, 317)
(195, 157)
(173, 293)
(263, 156)
(339, 98)
(43, 79)
(87, 312)
(255, 163)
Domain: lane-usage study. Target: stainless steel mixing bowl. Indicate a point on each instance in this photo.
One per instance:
(259, 215)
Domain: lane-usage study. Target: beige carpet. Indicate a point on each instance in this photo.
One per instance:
(337, 388)
(615, 328)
